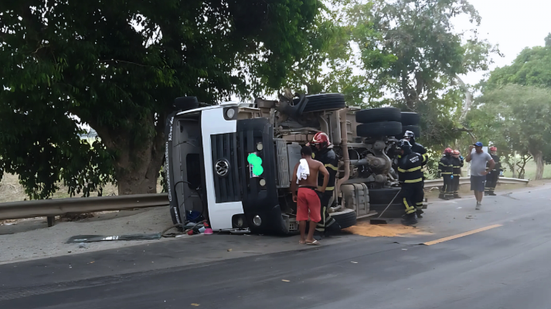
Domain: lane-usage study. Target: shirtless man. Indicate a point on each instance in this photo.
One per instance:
(306, 196)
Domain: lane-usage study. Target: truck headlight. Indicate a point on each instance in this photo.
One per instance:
(230, 113)
(257, 220)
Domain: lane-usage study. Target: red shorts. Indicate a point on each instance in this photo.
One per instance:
(308, 201)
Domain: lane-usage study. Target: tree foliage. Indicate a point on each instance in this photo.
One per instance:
(522, 92)
(429, 57)
(117, 66)
(333, 63)
(517, 119)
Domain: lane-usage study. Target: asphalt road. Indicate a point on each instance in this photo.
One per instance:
(502, 263)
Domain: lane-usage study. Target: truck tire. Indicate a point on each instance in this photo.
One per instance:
(410, 118)
(384, 196)
(345, 218)
(321, 102)
(383, 128)
(393, 211)
(415, 129)
(379, 114)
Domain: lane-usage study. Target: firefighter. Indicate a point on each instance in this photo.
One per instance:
(445, 169)
(493, 175)
(420, 149)
(411, 179)
(323, 152)
(457, 161)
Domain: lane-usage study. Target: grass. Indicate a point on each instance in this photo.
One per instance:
(12, 191)
(530, 171)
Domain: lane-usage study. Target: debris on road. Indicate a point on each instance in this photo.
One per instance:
(98, 238)
(387, 230)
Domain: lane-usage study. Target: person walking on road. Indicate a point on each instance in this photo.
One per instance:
(457, 161)
(307, 197)
(478, 159)
(411, 179)
(420, 149)
(323, 152)
(445, 169)
(493, 174)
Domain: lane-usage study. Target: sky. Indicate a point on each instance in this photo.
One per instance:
(513, 25)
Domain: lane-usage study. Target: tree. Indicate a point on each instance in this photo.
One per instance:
(333, 64)
(531, 68)
(520, 117)
(430, 57)
(117, 66)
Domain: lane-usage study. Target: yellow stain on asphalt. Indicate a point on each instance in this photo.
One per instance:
(441, 240)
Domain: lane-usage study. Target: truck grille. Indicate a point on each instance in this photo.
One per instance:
(225, 168)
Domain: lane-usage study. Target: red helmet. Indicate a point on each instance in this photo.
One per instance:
(448, 150)
(456, 152)
(321, 139)
(493, 148)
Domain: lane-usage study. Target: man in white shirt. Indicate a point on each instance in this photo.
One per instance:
(478, 159)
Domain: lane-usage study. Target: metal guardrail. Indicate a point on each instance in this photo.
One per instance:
(56, 207)
(466, 180)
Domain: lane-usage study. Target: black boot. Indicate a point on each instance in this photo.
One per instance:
(409, 219)
(492, 193)
(420, 213)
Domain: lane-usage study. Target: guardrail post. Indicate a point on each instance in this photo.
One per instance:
(51, 221)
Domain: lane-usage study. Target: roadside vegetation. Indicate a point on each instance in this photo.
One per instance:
(117, 67)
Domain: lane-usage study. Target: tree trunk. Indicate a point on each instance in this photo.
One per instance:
(468, 98)
(138, 163)
(538, 157)
(512, 167)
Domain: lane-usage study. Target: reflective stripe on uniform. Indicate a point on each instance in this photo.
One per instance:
(331, 166)
(329, 189)
(413, 180)
(410, 170)
(409, 209)
(446, 173)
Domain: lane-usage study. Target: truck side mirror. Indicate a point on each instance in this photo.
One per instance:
(186, 103)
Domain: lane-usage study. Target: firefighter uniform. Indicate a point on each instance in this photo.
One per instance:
(420, 149)
(445, 168)
(492, 177)
(324, 153)
(411, 179)
(329, 159)
(457, 163)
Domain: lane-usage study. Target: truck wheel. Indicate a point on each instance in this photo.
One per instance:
(393, 211)
(415, 129)
(345, 218)
(384, 196)
(326, 101)
(384, 128)
(379, 114)
(410, 118)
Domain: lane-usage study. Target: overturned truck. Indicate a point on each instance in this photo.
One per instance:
(232, 163)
